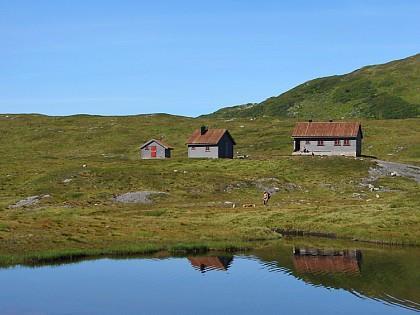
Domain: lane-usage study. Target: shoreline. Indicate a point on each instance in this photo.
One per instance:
(74, 255)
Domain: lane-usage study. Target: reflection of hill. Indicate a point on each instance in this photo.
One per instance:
(316, 261)
(205, 263)
(389, 274)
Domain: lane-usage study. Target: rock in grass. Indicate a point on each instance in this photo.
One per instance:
(138, 196)
(230, 204)
(274, 185)
(28, 201)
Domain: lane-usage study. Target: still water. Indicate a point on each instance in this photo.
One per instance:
(280, 279)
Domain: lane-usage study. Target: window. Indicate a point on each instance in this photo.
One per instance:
(207, 149)
(146, 148)
(337, 142)
(307, 142)
(346, 142)
(320, 143)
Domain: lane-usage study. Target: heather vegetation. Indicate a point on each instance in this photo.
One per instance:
(77, 166)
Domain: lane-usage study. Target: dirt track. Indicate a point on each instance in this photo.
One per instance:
(385, 168)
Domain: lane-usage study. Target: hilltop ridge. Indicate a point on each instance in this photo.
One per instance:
(385, 91)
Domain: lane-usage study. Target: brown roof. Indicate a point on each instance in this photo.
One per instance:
(163, 144)
(210, 262)
(211, 136)
(326, 264)
(326, 129)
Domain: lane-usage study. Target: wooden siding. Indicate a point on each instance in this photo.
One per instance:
(199, 151)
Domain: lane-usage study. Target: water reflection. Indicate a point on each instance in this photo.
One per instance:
(311, 260)
(207, 263)
(389, 275)
(369, 279)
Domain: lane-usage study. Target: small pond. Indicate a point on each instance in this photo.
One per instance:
(285, 278)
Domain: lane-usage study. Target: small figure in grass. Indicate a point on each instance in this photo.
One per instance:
(266, 197)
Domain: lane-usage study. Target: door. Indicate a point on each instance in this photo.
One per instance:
(153, 151)
(297, 145)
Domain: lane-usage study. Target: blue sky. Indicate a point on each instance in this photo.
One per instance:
(186, 57)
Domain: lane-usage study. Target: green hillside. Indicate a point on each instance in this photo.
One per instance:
(45, 156)
(386, 91)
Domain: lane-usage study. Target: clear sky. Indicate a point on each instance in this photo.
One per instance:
(187, 57)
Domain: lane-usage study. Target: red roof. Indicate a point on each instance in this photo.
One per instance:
(211, 136)
(163, 144)
(326, 129)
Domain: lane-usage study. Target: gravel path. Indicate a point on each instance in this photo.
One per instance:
(385, 168)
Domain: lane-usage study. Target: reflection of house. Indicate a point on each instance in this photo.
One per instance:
(327, 138)
(327, 261)
(205, 263)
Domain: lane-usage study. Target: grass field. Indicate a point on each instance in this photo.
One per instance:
(315, 194)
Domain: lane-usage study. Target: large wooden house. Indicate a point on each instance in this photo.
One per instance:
(327, 138)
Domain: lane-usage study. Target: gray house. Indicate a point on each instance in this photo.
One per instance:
(155, 149)
(210, 143)
(327, 138)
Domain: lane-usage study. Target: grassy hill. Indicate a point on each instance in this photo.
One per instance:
(385, 91)
(45, 156)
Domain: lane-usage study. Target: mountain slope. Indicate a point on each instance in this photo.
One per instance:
(385, 91)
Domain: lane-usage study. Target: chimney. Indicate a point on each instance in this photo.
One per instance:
(203, 130)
